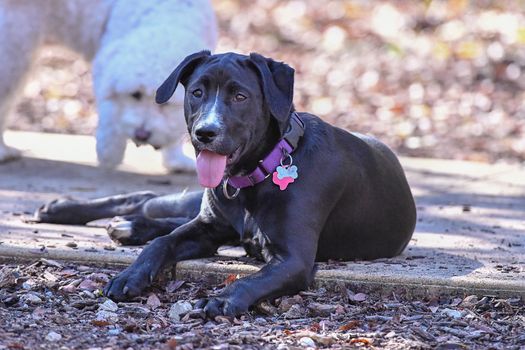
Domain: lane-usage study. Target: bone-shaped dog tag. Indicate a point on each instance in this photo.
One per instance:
(284, 175)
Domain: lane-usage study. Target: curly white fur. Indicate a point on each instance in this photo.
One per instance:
(133, 44)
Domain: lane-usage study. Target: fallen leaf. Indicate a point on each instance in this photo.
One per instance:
(100, 323)
(364, 341)
(315, 327)
(230, 279)
(174, 285)
(153, 301)
(90, 285)
(350, 325)
(67, 273)
(50, 262)
(99, 277)
(222, 319)
(171, 343)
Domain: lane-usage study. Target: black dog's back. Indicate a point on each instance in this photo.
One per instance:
(375, 215)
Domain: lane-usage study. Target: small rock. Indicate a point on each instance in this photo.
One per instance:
(135, 310)
(108, 305)
(359, 297)
(38, 313)
(28, 285)
(103, 315)
(53, 336)
(178, 309)
(31, 299)
(451, 313)
(88, 294)
(307, 342)
(469, 301)
(114, 331)
(260, 321)
(323, 310)
(295, 311)
(71, 245)
(68, 288)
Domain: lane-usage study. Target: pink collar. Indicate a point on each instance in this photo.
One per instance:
(267, 166)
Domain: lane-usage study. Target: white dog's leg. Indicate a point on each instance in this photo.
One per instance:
(111, 142)
(20, 37)
(178, 158)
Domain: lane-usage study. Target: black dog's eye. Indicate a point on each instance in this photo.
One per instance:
(197, 93)
(137, 95)
(239, 98)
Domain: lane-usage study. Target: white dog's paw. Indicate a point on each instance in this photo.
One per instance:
(176, 160)
(8, 153)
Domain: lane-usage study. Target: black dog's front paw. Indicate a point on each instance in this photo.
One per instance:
(129, 283)
(223, 305)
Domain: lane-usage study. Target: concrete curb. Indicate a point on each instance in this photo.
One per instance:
(215, 272)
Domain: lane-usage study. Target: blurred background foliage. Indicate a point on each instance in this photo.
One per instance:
(430, 78)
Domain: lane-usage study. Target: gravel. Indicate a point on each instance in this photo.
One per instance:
(165, 317)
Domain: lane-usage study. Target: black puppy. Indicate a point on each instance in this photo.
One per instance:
(301, 189)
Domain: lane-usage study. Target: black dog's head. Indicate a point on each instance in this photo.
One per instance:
(236, 107)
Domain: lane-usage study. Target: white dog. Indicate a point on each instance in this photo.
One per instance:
(133, 45)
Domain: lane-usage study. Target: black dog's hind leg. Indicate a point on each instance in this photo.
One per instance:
(160, 216)
(80, 212)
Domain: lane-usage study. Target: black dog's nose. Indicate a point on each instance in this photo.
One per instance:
(207, 133)
(142, 134)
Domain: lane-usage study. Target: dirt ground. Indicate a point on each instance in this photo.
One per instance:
(54, 305)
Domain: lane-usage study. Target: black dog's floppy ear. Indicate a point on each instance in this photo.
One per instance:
(277, 82)
(166, 90)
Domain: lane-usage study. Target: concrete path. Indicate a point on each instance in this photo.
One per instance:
(470, 235)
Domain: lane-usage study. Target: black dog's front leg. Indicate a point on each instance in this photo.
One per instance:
(195, 239)
(274, 279)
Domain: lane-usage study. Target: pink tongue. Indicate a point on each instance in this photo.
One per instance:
(210, 168)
